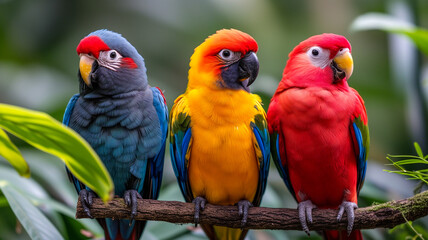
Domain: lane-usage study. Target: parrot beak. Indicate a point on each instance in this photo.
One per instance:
(342, 65)
(249, 68)
(85, 67)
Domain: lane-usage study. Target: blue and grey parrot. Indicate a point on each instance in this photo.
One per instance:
(124, 120)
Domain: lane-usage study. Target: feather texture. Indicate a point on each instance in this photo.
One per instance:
(318, 128)
(219, 142)
(123, 119)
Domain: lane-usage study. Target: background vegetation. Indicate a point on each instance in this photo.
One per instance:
(38, 67)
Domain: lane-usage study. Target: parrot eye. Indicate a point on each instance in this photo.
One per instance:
(113, 55)
(315, 51)
(225, 53)
(228, 55)
(110, 59)
(319, 56)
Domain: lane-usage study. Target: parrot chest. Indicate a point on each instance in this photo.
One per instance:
(124, 132)
(319, 151)
(223, 164)
(309, 106)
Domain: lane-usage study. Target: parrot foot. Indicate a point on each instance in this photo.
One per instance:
(349, 208)
(243, 207)
(305, 214)
(130, 197)
(199, 206)
(86, 197)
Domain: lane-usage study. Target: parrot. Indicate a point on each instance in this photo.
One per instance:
(219, 141)
(124, 120)
(319, 132)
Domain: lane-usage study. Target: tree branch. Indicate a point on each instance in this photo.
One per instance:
(386, 215)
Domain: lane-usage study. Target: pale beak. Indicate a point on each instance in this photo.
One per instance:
(344, 63)
(85, 67)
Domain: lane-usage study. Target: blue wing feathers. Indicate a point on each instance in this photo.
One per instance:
(263, 142)
(256, 132)
(69, 109)
(362, 156)
(157, 163)
(178, 157)
(180, 141)
(283, 171)
(359, 139)
(261, 135)
(66, 122)
(185, 145)
(157, 175)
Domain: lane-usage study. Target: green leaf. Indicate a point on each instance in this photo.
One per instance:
(384, 22)
(418, 148)
(45, 133)
(3, 202)
(401, 156)
(410, 161)
(10, 152)
(34, 222)
(38, 195)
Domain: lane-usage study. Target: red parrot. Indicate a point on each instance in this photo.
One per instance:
(319, 132)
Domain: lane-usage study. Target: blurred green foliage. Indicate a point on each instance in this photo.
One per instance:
(38, 68)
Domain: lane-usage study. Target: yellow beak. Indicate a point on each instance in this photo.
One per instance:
(85, 67)
(345, 62)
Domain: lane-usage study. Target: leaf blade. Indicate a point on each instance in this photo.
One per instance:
(418, 150)
(10, 152)
(34, 222)
(45, 133)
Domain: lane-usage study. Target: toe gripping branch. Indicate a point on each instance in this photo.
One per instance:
(305, 214)
(86, 198)
(349, 208)
(243, 207)
(199, 206)
(130, 197)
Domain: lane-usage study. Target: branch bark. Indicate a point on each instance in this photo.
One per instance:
(386, 215)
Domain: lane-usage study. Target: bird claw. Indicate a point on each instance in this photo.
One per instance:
(86, 197)
(130, 197)
(243, 207)
(349, 208)
(199, 206)
(305, 214)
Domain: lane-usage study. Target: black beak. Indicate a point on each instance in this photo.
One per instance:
(249, 68)
(338, 74)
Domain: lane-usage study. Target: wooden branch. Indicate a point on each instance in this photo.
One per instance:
(386, 215)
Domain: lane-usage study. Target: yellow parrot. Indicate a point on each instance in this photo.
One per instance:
(218, 130)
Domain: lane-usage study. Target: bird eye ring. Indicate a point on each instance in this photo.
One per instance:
(113, 55)
(315, 51)
(228, 55)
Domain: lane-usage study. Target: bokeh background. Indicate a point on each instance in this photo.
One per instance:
(39, 64)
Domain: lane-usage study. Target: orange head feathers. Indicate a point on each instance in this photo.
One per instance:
(226, 59)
